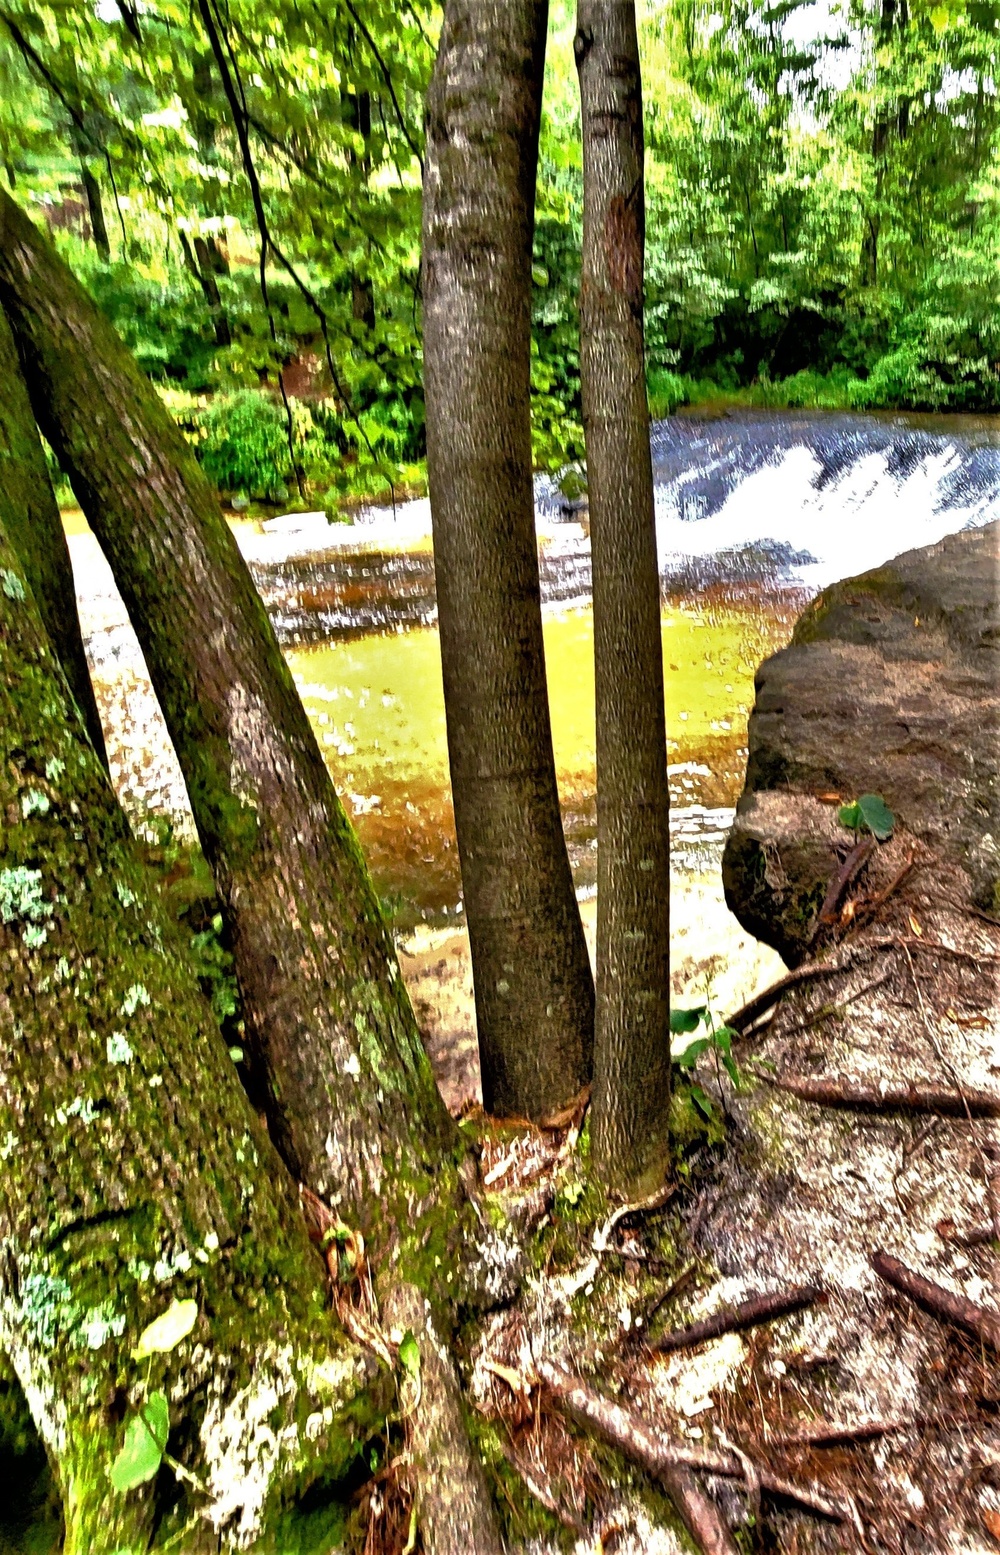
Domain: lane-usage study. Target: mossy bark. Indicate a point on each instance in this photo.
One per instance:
(134, 1171)
(348, 1090)
(533, 985)
(632, 1034)
(30, 515)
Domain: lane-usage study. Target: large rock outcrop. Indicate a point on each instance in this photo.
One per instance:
(891, 685)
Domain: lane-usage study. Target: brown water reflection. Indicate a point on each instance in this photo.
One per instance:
(377, 706)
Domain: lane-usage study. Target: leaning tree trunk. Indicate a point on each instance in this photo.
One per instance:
(135, 1173)
(348, 1090)
(30, 515)
(632, 1040)
(346, 1085)
(534, 993)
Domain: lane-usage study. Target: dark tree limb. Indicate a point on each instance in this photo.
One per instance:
(917, 1096)
(759, 1005)
(939, 1303)
(655, 1452)
(735, 1320)
(848, 871)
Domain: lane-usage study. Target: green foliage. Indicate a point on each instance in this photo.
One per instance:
(869, 813)
(409, 1355)
(145, 1443)
(244, 445)
(808, 245)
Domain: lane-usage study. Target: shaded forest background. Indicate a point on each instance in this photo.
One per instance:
(822, 194)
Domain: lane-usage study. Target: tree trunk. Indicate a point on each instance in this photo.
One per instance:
(30, 515)
(335, 1053)
(135, 1172)
(333, 1045)
(95, 208)
(534, 992)
(632, 1037)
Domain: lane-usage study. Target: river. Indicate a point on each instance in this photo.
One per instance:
(755, 513)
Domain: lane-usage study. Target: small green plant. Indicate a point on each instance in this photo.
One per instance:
(869, 813)
(147, 1428)
(718, 1040)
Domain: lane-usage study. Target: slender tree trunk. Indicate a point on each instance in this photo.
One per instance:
(30, 514)
(348, 1090)
(135, 1172)
(632, 1038)
(534, 992)
(336, 1056)
(95, 209)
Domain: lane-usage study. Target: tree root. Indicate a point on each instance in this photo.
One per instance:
(734, 1320)
(454, 1510)
(659, 1455)
(938, 1302)
(915, 1096)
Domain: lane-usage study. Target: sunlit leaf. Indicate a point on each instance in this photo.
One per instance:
(167, 1331)
(409, 1355)
(686, 1020)
(145, 1443)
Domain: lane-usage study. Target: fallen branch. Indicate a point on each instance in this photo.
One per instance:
(763, 1001)
(976, 1236)
(658, 1454)
(849, 869)
(942, 1304)
(914, 1096)
(747, 1314)
(827, 1433)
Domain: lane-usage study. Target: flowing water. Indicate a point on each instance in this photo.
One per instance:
(755, 512)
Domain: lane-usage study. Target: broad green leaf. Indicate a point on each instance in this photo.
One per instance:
(686, 1059)
(166, 1332)
(702, 1102)
(145, 1443)
(870, 811)
(686, 1020)
(876, 815)
(409, 1355)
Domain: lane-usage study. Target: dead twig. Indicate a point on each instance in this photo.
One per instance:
(834, 1009)
(913, 1096)
(939, 1303)
(868, 908)
(754, 1008)
(657, 1453)
(849, 869)
(766, 1308)
(976, 1236)
(827, 1433)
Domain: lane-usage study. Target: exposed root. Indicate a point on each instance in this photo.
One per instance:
(736, 1320)
(938, 1302)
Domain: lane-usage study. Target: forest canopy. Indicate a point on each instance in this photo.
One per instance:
(239, 190)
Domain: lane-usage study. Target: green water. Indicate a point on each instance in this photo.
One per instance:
(378, 709)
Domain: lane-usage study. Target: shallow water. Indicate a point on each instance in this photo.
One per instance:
(755, 511)
(377, 706)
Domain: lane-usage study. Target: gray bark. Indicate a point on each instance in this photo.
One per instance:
(534, 993)
(348, 1091)
(632, 1039)
(134, 1170)
(30, 514)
